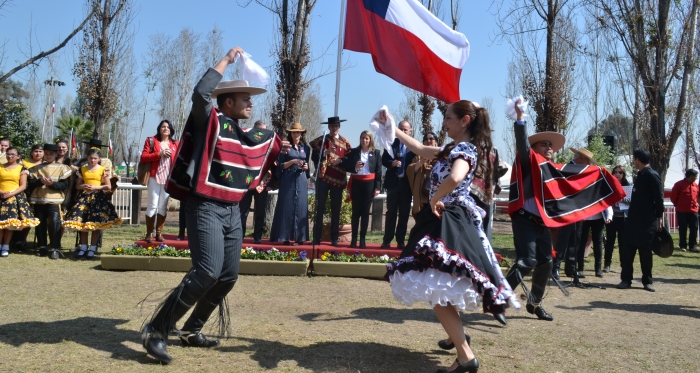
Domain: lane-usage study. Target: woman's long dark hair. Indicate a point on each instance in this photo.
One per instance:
(480, 132)
(172, 130)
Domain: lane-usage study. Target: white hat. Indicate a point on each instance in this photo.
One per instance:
(228, 86)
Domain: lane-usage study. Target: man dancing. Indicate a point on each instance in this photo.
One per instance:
(211, 176)
(545, 195)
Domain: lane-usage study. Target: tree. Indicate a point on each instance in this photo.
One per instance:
(16, 124)
(548, 84)
(106, 36)
(659, 39)
(41, 55)
(81, 128)
(292, 50)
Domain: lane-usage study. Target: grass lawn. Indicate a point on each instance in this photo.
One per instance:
(72, 316)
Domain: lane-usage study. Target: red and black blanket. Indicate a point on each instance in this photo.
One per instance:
(233, 160)
(565, 193)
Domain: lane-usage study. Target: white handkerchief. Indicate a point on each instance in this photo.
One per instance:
(386, 133)
(251, 71)
(510, 107)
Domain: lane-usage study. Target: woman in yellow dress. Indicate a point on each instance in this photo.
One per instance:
(93, 210)
(36, 156)
(14, 209)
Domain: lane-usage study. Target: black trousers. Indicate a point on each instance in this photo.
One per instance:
(49, 221)
(533, 243)
(567, 244)
(182, 217)
(398, 200)
(596, 228)
(322, 190)
(687, 221)
(615, 228)
(258, 213)
(627, 253)
(362, 198)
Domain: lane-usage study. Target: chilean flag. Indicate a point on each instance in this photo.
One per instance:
(408, 44)
(111, 151)
(73, 143)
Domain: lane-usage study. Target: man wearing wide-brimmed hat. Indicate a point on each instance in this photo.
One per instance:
(328, 152)
(546, 195)
(583, 156)
(217, 163)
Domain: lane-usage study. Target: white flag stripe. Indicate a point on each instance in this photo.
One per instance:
(451, 46)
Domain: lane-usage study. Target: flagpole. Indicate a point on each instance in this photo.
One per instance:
(341, 34)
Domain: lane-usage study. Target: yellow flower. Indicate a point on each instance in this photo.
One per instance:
(323, 257)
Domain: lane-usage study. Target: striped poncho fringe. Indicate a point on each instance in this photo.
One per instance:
(233, 161)
(565, 193)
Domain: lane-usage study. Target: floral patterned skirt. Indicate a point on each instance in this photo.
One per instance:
(15, 213)
(92, 211)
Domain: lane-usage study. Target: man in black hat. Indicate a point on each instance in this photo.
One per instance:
(398, 189)
(328, 153)
(48, 182)
(644, 219)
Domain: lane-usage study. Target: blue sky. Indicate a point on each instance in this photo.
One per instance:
(362, 90)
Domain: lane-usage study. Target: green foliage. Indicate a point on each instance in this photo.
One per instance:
(358, 257)
(16, 124)
(602, 153)
(273, 254)
(83, 128)
(345, 209)
(160, 250)
(11, 90)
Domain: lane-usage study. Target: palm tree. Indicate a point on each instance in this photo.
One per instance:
(83, 128)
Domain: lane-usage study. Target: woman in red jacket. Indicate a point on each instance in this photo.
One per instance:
(160, 151)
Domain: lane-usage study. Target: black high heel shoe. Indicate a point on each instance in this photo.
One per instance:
(443, 343)
(500, 317)
(471, 366)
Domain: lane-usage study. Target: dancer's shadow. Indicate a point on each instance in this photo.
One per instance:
(661, 309)
(92, 332)
(400, 316)
(684, 265)
(337, 356)
(677, 281)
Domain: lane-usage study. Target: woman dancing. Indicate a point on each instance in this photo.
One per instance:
(448, 261)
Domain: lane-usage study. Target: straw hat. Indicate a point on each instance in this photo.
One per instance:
(228, 86)
(296, 127)
(556, 138)
(586, 153)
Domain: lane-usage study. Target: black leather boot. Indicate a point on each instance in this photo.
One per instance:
(363, 245)
(555, 269)
(193, 287)
(540, 278)
(191, 335)
(598, 269)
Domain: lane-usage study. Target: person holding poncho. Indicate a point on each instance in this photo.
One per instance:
(448, 262)
(546, 195)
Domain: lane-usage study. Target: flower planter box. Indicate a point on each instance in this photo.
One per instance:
(145, 263)
(273, 267)
(173, 264)
(349, 269)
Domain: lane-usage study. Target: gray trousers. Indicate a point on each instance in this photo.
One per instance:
(215, 237)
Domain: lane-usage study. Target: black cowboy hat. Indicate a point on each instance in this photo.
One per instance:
(332, 120)
(95, 143)
(662, 245)
(51, 147)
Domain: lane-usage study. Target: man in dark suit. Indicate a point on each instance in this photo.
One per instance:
(398, 190)
(260, 203)
(644, 219)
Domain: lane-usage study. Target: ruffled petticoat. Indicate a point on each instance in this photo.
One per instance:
(450, 260)
(434, 288)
